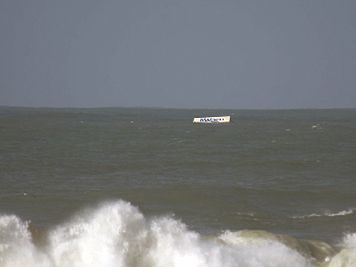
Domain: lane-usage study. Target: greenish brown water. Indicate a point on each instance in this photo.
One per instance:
(290, 172)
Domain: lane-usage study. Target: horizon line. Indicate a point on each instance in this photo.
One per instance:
(162, 107)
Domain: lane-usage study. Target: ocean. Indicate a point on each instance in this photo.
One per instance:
(145, 187)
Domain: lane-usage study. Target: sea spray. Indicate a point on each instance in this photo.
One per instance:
(16, 246)
(118, 234)
(105, 237)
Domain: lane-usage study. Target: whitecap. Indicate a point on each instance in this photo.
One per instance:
(327, 214)
(16, 246)
(117, 234)
(347, 256)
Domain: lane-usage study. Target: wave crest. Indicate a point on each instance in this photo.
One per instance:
(117, 234)
(327, 214)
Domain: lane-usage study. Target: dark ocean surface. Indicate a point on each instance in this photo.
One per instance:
(147, 187)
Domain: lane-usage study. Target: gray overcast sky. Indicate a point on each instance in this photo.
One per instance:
(178, 53)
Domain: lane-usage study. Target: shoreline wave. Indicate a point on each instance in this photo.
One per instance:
(118, 234)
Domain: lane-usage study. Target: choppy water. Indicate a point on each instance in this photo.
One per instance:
(146, 187)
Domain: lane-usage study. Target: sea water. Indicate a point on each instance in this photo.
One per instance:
(147, 187)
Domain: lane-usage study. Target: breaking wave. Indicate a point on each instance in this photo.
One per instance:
(118, 234)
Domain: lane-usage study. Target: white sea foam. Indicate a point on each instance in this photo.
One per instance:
(349, 241)
(262, 252)
(117, 234)
(105, 237)
(16, 247)
(327, 214)
(347, 256)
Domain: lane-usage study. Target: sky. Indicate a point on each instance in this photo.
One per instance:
(241, 54)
